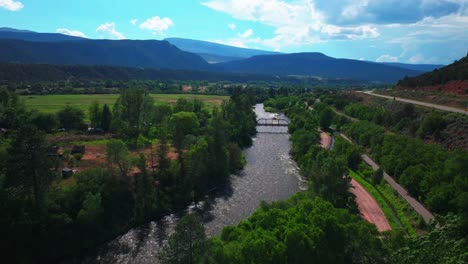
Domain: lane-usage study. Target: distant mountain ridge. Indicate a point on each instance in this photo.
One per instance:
(50, 48)
(415, 67)
(9, 33)
(214, 52)
(317, 64)
(129, 53)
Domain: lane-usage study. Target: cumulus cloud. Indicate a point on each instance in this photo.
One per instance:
(157, 25)
(134, 21)
(295, 23)
(11, 5)
(70, 32)
(232, 26)
(108, 30)
(387, 11)
(387, 58)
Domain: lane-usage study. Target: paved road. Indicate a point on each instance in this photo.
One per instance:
(440, 107)
(369, 208)
(417, 206)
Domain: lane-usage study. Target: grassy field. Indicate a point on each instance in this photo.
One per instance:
(54, 103)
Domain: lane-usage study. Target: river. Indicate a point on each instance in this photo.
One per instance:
(270, 175)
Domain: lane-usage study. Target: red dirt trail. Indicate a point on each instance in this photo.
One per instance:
(369, 208)
(325, 140)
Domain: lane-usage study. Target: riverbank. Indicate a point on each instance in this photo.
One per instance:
(269, 175)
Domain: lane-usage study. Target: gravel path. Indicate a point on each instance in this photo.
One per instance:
(440, 107)
(417, 206)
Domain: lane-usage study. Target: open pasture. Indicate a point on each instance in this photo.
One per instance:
(54, 103)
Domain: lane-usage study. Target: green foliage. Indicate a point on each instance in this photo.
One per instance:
(444, 245)
(182, 124)
(12, 111)
(91, 209)
(106, 118)
(404, 211)
(326, 116)
(188, 242)
(432, 125)
(70, 117)
(377, 176)
(117, 154)
(45, 122)
(132, 113)
(300, 230)
(366, 133)
(456, 71)
(95, 114)
(27, 166)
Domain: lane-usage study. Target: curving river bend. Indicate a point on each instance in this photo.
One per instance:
(270, 175)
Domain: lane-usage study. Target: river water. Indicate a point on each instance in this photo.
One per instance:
(270, 175)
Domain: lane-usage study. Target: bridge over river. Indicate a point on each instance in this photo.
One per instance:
(274, 122)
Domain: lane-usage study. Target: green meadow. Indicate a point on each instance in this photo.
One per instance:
(54, 103)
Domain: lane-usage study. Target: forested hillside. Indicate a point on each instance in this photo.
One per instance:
(318, 64)
(457, 71)
(129, 53)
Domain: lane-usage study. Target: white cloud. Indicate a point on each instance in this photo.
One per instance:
(231, 42)
(11, 5)
(232, 26)
(157, 25)
(418, 58)
(134, 21)
(295, 23)
(247, 33)
(70, 32)
(108, 30)
(387, 58)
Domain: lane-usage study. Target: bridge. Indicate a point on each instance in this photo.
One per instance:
(273, 122)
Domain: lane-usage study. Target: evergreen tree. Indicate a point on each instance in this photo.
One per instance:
(106, 118)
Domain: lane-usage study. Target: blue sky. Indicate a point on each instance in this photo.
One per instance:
(409, 31)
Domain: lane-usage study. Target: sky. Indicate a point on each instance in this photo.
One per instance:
(407, 31)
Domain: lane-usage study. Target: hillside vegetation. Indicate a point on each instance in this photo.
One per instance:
(456, 71)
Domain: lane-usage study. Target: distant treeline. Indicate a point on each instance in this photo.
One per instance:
(15, 73)
(453, 72)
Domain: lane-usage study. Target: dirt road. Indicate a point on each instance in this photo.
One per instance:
(325, 140)
(440, 107)
(417, 206)
(369, 208)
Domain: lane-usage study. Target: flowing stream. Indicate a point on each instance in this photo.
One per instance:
(270, 175)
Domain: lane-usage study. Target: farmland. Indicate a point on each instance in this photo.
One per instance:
(54, 103)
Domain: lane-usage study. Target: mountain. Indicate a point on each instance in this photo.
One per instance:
(11, 33)
(457, 71)
(3, 29)
(415, 67)
(317, 64)
(129, 53)
(214, 52)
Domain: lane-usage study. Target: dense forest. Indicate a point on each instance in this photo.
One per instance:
(401, 137)
(45, 220)
(20, 76)
(453, 72)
